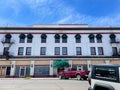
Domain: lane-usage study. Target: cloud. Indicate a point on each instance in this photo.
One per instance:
(77, 18)
(49, 12)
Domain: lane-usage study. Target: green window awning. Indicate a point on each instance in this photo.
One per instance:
(64, 36)
(22, 35)
(61, 63)
(30, 36)
(112, 35)
(91, 36)
(98, 36)
(57, 36)
(77, 36)
(8, 36)
(43, 36)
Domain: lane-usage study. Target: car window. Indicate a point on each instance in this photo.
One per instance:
(106, 73)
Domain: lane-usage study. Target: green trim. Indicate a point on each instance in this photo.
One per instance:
(91, 36)
(30, 36)
(8, 36)
(22, 35)
(64, 36)
(44, 36)
(77, 36)
(98, 36)
(57, 36)
(112, 35)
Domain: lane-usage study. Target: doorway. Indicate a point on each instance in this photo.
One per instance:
(3, 72)
(22, 71)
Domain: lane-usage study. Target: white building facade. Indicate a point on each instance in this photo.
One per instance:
(31, 51)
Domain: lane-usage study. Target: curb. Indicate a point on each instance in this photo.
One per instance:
(28, 78)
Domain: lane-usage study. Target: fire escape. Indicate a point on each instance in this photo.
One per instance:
(7, 43)
(115, 43)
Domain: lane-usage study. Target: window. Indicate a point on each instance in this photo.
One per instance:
(64, 38)
(57, 38)
(112, 38)
(8, 38)
(99, 38)
(100, 50)
(6, 52)
(92, 50)
(57, 50)
(91, 38)
(108, 73)
(64, 50)
(28, 51)
(78, 51)
(29, 38)
(22, 38)
(43, 38)
(20, 50)
(43, 51)
(78, 38)
(114, 49)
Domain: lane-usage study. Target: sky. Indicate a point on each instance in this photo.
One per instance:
(29, 12)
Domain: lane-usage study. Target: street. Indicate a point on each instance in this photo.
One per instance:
(42, 84)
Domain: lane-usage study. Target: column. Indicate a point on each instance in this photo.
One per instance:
(12, 71)
(51, 67)
(32, 68)
(89, 65)
(70, 63)
(107, 61)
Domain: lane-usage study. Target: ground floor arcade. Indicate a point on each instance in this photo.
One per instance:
(42, 68)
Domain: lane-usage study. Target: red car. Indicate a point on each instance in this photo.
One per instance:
(70, 73)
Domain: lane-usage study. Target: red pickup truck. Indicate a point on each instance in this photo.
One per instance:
(70, 73)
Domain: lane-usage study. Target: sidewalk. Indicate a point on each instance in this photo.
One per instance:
(29, 78)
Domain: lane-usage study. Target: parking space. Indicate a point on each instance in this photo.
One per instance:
(42, 84)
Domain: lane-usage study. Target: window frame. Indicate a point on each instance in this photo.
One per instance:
(93, 52)
(22, 40)
(101, 51)
(28, 53)
(42, 50)
(64, 53)
(78, 40)
(80, 51)
(19, 52)
(55, 51)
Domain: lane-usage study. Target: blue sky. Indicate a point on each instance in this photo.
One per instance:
(29, 12)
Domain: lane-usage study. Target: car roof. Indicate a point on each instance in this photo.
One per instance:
(118, 65)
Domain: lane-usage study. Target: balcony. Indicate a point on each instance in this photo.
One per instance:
(112, 41)
(116, 54)
(10, 41)
(6, 55)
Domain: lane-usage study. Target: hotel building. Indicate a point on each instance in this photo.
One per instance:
(32, 51)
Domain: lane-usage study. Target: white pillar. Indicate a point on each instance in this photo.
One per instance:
(12, 72)
(107, 61)
(89, 65)
(70, 63)
(32, 68)
(51, 67)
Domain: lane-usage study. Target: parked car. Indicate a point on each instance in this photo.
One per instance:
(71, 73)
(104, 77)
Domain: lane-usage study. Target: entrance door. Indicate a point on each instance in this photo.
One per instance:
(8, 71)
(79, 67)
(22, 72)
(3, 71)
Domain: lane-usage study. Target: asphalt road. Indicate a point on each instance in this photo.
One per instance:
(42, 84)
